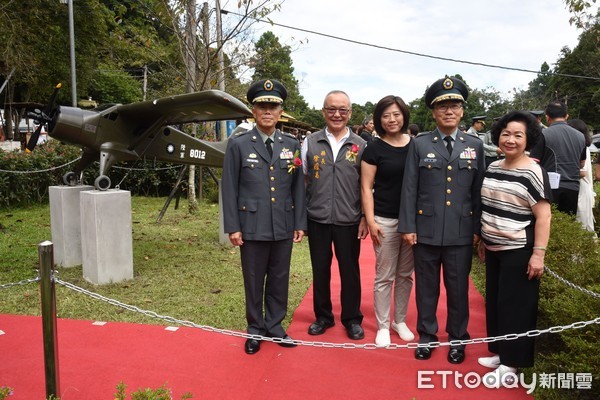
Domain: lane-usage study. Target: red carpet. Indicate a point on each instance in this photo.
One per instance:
(94, 359)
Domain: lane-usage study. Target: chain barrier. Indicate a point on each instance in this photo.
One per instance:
(366, 346)
(571, 284)
(146, 169)
(20, 283)
(79, 158)
(41, 170)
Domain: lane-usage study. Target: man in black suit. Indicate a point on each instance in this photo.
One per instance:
(439, 217)
(264, 210)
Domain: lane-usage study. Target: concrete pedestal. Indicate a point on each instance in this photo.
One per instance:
(106, 237)
(65, 224)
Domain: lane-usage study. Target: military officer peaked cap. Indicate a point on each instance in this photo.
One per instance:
(448, 88)
(537, 113)
(480, 118)
(267, 91)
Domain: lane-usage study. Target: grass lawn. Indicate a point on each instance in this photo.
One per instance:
(180, 269)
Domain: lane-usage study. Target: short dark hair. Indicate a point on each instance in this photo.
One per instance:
(581, 127)
(533, 130)
(385, 103)
(556, 109)
(414, 129)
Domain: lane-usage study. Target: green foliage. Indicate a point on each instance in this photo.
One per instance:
(581, 95)
(359, 113)
(582, 12)
(161, 393)
(142, 177)
(25, 188)
(5, 391)
(273, 60)
(573, 254)
(111, 85)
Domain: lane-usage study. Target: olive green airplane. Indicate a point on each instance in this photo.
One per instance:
(115, 132)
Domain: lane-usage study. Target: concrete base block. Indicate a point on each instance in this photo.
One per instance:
(65, 223)
(106, 238)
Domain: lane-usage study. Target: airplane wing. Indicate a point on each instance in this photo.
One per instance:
(209, 105)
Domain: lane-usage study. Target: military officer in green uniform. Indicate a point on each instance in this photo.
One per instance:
(264, 210)
(477, 125)
(439, 216)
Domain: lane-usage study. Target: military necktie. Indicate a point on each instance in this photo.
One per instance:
(268, 143)
(448, 140)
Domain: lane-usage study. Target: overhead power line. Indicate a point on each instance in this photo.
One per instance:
(412, 52)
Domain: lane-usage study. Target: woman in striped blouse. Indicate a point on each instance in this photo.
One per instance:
(515, 228)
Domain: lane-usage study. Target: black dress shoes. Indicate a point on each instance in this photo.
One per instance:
(319, 327)
(252, 346)
(286, 337)
(355, 332)
(456, 356)
(423, 353)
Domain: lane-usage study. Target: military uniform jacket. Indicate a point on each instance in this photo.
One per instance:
(263, 198)
(441, 193)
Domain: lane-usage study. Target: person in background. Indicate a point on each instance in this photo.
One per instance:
(366, 130)
(561, 150)
(413, 130)
(538, 114)
(382, 169)
(515, 230)
(264, 210)
(440, 214)
(331, 162)
(477, 125)
(492, 152)
(586, 199)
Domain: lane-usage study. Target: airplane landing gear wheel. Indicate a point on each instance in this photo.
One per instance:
(70, 179)
(102, 183)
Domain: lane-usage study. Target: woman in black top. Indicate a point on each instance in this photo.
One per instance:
(382, 169)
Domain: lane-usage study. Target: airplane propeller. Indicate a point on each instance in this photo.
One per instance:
(42, 117)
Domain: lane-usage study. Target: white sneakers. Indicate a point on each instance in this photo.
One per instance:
(489, 362)
(383, 338)
(500, 370)
(403, 331)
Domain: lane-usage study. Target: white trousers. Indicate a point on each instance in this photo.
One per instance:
(394, 267)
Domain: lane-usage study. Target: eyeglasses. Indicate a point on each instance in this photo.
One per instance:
(445, 107)
(332, 110)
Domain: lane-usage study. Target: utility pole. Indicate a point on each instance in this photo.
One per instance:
(221, 66)
(72, 47)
